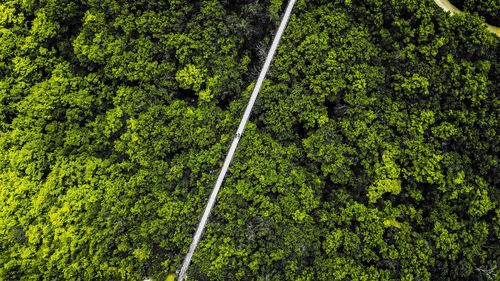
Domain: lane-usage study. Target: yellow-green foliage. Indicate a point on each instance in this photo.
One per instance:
(371, 153)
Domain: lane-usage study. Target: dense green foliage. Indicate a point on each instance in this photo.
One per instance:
(112, 122)
(489, 9)
(372, 153)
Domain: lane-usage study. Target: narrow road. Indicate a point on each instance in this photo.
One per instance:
(234, 145)
(448, 7)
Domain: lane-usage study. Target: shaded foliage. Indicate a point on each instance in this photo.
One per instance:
(372, 153)
(489, 9)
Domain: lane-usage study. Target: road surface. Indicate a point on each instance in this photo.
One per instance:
(234, 145)
(448, 7)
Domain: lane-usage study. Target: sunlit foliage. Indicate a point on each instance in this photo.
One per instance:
(371, 154)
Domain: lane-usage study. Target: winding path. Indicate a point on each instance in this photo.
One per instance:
(448, 7)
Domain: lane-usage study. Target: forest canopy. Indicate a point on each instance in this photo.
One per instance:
(371, 153)
(489, 9)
